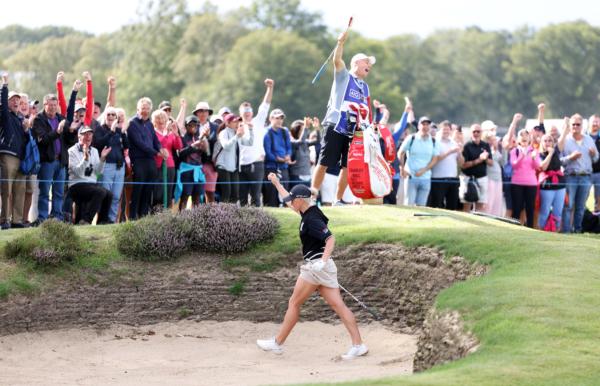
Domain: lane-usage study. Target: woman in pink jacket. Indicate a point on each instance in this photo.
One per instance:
(525, 161)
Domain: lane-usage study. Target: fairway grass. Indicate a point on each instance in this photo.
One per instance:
(536, 313)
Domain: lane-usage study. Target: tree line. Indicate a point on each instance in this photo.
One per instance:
(464, 75)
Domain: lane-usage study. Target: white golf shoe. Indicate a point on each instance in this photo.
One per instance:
(356, 351)
(270, 345)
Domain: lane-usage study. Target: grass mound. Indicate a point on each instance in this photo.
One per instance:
(51, 244)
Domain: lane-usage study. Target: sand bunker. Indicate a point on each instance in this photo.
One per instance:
(199, 353)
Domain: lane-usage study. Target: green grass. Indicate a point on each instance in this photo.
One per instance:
(536, 313)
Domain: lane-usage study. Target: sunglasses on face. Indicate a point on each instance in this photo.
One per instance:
(476, 131)
(575, 124)
(111, 115)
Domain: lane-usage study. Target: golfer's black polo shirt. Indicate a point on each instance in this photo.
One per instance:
(313, 233)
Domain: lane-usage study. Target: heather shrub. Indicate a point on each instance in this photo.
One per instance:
(220, 228)
(163, 236)
(51, 244)
(227, 228)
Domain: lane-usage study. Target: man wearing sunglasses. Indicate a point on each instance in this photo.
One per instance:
(477, 156)
(577, 157)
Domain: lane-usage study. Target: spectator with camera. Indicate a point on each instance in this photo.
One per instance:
(278, 155)
(84, 166)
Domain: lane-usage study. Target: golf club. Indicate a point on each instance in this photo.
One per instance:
(371, 311)
(322, 69)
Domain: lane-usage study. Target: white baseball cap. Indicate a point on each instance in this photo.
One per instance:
(362, 56)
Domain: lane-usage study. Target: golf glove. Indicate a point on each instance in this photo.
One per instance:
(317, 266)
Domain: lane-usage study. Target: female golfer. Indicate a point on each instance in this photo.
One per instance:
(318, 273)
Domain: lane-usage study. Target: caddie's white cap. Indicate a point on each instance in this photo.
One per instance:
(362, 56)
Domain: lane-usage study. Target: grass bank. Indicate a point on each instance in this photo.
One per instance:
(536, 313)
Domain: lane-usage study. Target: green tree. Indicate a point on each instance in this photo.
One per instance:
(559, 64)
(282, 56)
(203, 46)
(35, 66)
(150, 48)
(287, 15)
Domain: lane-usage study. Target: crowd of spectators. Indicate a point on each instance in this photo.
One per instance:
(97, 165)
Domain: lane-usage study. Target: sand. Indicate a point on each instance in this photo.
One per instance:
(199, 353)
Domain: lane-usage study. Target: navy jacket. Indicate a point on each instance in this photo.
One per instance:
(12, 136)
(117, 141)
(143, 142)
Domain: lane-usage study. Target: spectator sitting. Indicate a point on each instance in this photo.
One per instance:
(84, 165)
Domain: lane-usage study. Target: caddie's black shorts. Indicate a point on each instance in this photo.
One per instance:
(334, 148)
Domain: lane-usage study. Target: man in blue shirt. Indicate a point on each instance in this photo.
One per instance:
(422, 152)
(278, 155)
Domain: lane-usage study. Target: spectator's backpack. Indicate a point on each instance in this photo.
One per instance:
(472, 193)
(30, 164)
(591, 222)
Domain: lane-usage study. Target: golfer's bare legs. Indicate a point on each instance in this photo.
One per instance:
(302, 291)
(334, 299)
(318, 176)
(342, 183)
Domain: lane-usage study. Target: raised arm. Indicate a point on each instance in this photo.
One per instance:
(62, 102)
(111, 98)
(338, 62)
(280, 189)
(181, 116)
(563, 136)
(541, 109)
(270, 84)
(89, 98)
(506, 141)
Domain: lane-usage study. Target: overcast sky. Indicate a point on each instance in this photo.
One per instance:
(373, 18)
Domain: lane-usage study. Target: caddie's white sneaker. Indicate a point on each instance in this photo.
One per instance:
(356, 351)
(270, 345)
